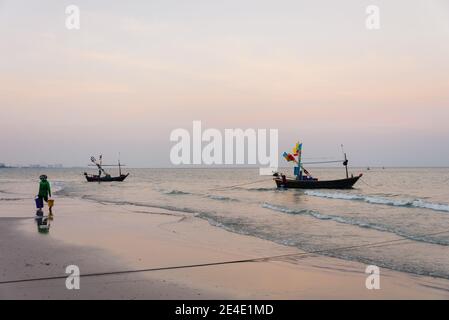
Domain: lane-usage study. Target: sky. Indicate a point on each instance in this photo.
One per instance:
(137, 70)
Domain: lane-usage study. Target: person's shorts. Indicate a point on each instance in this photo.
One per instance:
(44, 198)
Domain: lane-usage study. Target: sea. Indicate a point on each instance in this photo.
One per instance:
(395, 218)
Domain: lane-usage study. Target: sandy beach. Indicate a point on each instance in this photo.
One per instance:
(106, 238)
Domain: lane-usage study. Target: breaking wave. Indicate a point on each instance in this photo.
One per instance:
(176, 192)
(140, 204)
(411, 203)
(221, 198)
(261, 189)
(58, 187)
(357, 222)
(12, 199)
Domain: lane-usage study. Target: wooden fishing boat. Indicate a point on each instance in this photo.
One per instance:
(106, 177)
(304, 180)
(347, 183)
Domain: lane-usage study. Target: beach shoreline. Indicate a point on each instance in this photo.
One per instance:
(106, 238)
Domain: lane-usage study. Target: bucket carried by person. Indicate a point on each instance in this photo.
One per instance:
(39, 203)
(51, 203)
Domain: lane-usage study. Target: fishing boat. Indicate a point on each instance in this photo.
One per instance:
(304, 180)
(106, 177)
(347, 183)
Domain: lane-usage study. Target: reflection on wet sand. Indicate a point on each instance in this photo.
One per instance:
(43, 224)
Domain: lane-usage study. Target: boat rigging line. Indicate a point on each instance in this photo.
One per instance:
(368, 184)
(237, 185)
(323, 162)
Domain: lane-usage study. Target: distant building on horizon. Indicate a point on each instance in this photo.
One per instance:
(45, 166)
(55, 166)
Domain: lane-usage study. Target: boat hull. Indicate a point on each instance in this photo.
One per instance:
(317, 184)
(106, 178)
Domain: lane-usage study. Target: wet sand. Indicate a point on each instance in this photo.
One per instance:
(107, 238)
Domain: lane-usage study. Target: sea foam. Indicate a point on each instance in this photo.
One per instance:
(413, 203)
(357, 222)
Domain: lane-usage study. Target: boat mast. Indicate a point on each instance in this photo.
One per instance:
(119, 167)
(99, 165)
(298, 167)
(298, 170)
(345, 162)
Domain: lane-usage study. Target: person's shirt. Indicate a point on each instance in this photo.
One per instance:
(44, 189)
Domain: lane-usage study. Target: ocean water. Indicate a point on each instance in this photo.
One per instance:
(409, 205)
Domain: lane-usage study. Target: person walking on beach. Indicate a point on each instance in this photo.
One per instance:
(44, 188)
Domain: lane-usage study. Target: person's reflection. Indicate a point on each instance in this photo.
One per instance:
(43, 224)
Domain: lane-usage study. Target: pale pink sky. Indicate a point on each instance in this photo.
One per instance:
(137, 70)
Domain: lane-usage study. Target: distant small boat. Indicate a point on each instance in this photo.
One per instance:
(106, 176)
(304, 180)
(96, 178)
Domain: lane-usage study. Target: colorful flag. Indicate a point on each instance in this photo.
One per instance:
(289, 157)
(297, 149)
